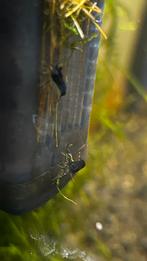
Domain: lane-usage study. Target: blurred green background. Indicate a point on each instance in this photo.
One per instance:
(109, 221)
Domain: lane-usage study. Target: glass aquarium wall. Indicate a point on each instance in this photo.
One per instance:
(101, 214)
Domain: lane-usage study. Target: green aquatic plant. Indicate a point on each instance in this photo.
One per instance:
(73, 10)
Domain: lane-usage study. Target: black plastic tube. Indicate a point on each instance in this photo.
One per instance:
(20, 39)
(28, 168)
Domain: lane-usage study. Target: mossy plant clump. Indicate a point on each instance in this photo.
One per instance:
(72, 13)
(74, 9)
